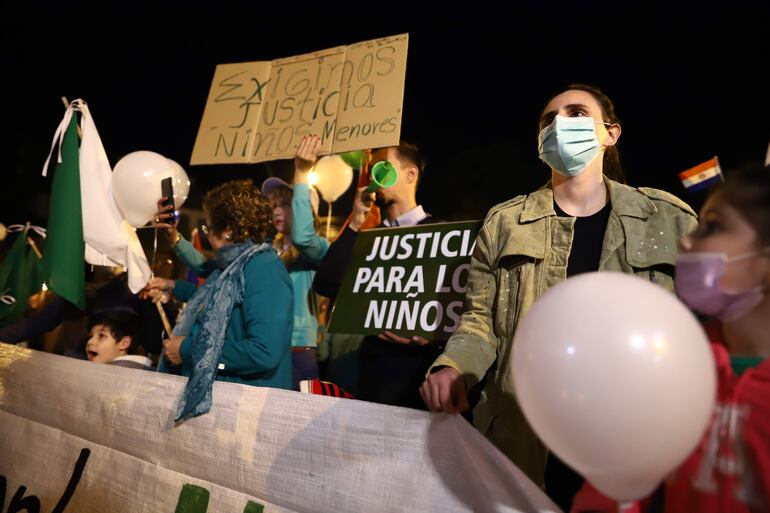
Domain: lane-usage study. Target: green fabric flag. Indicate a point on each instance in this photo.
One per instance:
(20, 277)
(63, 258)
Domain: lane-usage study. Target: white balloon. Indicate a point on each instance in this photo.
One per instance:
(136, 184)
(616, 376)
(334, 177)
(181, 184)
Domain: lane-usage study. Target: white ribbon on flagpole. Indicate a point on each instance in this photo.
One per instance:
(58, 138)
(5, 298)
(20, 227)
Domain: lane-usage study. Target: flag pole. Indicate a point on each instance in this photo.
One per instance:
(67, 106)
(34, 248)
(164, 318)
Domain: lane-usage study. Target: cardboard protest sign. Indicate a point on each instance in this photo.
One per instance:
(410, 281)
(350, 96)
(82, 437)
(232, 112)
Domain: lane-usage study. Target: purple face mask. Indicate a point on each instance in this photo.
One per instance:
(697, 278)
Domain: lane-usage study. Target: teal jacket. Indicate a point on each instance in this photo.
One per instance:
(312, 249)
(257, 348)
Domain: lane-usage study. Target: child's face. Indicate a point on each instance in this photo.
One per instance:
(722, 229)
(102, 346)
(281, 213)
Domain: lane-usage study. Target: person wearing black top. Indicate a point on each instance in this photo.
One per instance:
(583, 219)
(561, 481)
(392, 367)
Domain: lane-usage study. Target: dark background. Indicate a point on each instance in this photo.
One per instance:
(688, 80)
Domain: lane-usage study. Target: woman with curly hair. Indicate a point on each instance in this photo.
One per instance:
(237, 327)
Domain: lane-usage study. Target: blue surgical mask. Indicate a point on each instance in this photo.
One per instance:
(568, 145)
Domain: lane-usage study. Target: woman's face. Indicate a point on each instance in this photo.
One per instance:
(572, 104)
(217, 240)
(281, 214)
(722, 229)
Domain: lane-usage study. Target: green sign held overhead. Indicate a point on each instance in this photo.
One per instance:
(410, 281)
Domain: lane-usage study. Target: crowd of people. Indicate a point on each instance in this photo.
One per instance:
(258, 318)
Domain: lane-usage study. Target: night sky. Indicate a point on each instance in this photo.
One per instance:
(688, 81)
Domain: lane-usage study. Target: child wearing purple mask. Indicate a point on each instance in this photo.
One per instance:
(724, 272)
(720, 271)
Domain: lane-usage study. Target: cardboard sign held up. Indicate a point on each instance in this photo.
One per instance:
(350, 96)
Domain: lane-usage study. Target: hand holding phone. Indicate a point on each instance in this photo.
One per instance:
(167, 191)
(167, 206)
(165, 217)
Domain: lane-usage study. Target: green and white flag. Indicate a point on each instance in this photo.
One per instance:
(20, 276)
(63, 269)
(83, 210)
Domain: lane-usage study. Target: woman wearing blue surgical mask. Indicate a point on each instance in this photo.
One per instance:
(583, 219)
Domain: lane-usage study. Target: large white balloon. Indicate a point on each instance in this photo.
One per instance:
(181, 184)
(334, 177)
(136, 184)
(616, 376)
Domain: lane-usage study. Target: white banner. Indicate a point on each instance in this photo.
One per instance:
(76, 436)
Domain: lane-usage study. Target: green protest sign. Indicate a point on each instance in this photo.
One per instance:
(410, 281)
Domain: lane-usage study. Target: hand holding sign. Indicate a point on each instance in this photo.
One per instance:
(306, 157)
(389, 336)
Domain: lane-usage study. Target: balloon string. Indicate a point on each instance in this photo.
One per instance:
(628, 507)
(328, 219)
(34, 247)
(7, 299)
(21, 227)
(154, 249)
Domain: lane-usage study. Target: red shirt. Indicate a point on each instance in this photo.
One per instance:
(730, 470)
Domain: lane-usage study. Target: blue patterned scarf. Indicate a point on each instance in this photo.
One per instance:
(211, 307)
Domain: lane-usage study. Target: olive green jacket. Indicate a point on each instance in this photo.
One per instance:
(521, 250)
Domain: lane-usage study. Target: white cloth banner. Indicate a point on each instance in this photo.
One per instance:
(109, 239)
(83, 437)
